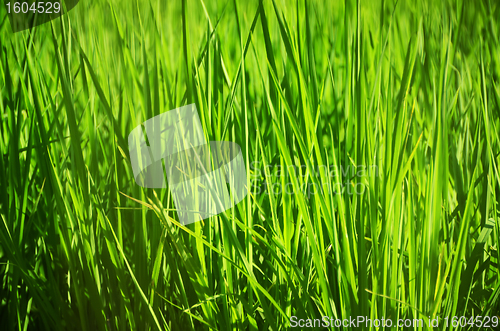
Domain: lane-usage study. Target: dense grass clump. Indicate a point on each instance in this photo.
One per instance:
(371, 136)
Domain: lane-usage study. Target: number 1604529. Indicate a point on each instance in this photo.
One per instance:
(35, 7)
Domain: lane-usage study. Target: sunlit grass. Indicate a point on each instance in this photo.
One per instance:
(409, 89)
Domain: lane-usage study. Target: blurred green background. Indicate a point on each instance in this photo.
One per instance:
(410, 88)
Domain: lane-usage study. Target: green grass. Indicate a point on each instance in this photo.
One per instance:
(411, 89)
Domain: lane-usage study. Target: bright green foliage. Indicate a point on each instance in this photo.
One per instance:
(409, 89)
